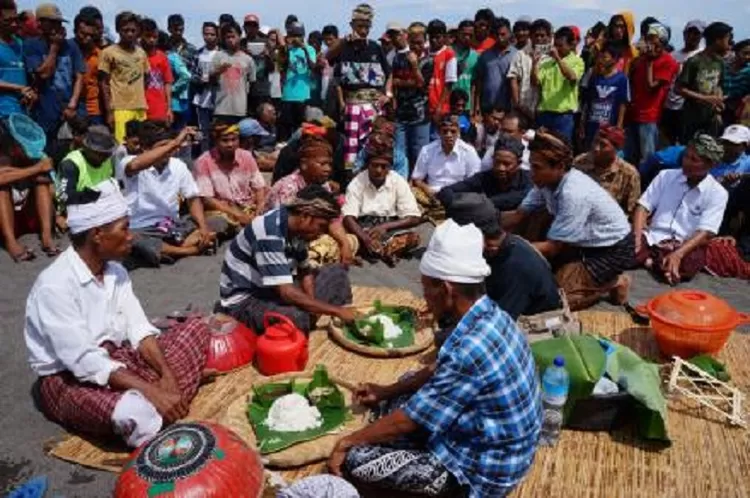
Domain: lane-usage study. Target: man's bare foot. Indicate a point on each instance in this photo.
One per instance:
(619, 294)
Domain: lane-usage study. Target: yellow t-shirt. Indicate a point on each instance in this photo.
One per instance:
(556, 93)
(127, 71)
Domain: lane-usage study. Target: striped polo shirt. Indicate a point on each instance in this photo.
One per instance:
(257, 258)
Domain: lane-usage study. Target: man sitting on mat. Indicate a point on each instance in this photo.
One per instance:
(155, 183)
(104, 369)
(380, 208)
(228, 178)
(266, 268)
(468, 424)
(521, 282)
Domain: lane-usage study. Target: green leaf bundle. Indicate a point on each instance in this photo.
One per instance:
(320, 392)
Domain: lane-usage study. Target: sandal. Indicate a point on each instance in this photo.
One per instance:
(51, 251)
(26, 255)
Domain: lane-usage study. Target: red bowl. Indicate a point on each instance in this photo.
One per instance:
(232, 344)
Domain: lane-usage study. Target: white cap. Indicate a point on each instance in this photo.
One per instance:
(454, 254)
(737, 134)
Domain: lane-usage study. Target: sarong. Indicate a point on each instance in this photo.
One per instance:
(326, 251)
(331, 286)
(233, 225)
(652, 257)
(432, 209)
(724, 260)
(394, 243)
(148, 242)
(586, 275)
(87, 408)
(403, 465)
(358, 119)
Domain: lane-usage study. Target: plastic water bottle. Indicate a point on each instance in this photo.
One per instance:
(555, 385)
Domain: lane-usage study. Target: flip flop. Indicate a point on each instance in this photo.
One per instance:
(26, 255)
(51, 251)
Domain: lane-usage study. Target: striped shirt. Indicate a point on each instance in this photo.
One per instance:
(257, 258)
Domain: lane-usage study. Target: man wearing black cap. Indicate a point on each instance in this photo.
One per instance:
(87, 167)
(521, 282)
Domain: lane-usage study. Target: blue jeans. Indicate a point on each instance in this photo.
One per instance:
(410, 138)
(561, 122)
(640, 141)
(204, 125)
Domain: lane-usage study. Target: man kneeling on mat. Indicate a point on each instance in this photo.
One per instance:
(267, 261)
(104, 369)
(468, 424)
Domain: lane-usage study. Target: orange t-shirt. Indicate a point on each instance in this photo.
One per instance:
(486, 44)
(91, 83)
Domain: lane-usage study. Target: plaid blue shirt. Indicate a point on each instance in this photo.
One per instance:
(482, 406)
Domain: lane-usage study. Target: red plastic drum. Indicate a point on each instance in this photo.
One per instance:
(192, 459)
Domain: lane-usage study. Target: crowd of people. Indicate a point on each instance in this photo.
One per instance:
(558, 160)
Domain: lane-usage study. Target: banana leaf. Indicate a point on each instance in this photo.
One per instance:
(371, 333)
(320, 391)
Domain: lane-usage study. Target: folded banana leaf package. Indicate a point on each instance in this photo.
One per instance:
(320, 393)
(588, 358)
(385, 327)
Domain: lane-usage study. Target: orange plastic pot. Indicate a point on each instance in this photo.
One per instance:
(691, 322)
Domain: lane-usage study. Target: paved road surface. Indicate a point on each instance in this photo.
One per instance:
(191, 281)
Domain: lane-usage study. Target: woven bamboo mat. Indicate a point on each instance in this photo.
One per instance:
(214, 398)
(708, 458)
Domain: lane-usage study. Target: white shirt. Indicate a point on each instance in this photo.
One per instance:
(678, 211)
(520, 70)
(69, 314)
(205, 98)
(154, 196)
(393, 198)
(441, 170)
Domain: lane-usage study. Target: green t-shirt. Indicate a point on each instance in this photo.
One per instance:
(467, 61)
(557, 94)
(701, 73)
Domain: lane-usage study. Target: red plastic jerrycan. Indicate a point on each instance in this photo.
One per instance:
(282, 348)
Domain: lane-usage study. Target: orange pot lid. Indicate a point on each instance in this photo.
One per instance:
(691, 308)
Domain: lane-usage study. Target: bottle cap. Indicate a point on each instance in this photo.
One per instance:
(559, 361)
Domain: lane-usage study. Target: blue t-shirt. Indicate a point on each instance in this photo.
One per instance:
(298, 76)
(55, 92)
(741, 166)
(605, 95)
(492, 70)
(12, 70)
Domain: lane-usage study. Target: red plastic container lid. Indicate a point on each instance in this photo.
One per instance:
(693, 309)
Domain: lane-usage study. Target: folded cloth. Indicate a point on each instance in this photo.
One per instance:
(454, 254)
(322, 486)
(108, 207)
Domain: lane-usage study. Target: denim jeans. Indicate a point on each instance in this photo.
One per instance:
(410, 138)
(640, 141)
(561, 122)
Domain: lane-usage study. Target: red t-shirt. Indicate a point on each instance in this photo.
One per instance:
(486, 44)
(646, 104)
(158, 76)
(444, 71)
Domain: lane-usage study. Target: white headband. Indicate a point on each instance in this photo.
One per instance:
(110, 206)
(454, 254)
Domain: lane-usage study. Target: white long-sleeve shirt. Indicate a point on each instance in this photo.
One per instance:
(69, 314)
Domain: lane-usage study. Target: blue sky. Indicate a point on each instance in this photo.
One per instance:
(583, 13)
